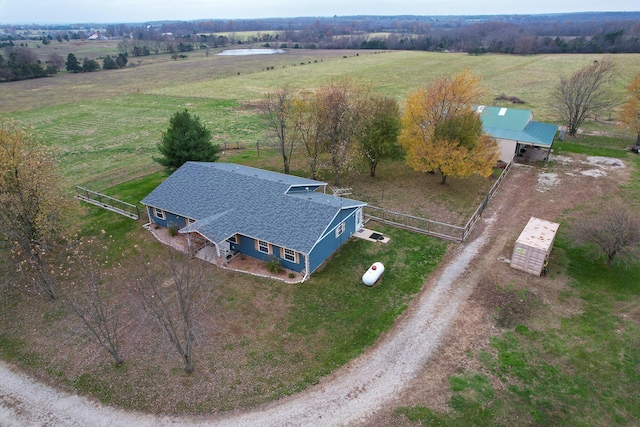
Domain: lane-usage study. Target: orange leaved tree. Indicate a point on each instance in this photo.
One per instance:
(629, 115)
(441, 131)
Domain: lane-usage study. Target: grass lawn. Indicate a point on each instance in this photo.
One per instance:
(258, 339)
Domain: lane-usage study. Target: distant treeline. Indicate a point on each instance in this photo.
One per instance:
(605, 32)
(598, 32)
(21, 63)
(526, 37)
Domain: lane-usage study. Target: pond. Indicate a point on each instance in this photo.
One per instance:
(243, 52)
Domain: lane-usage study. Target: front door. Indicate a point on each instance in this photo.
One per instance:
(359, 219)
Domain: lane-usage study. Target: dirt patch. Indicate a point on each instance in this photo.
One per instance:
(545, 192)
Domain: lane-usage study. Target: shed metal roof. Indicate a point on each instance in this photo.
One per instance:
(516, 125)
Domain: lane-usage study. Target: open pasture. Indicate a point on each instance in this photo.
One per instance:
(264, 340)
(105, 125)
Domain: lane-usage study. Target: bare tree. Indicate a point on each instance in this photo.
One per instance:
(339, 106)
(306, 122)
(55, 60)
(173, 301)
(629, 114)
(583, 93)
(277, 108)
(98, 313)
(611, 231)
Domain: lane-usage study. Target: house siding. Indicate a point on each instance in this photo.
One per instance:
(247, 246)
(170, 219)
(329, 243)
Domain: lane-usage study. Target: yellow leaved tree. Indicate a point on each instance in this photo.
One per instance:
(441, 131)
(32, 213)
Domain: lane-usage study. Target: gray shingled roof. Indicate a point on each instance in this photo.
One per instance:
(226, 199)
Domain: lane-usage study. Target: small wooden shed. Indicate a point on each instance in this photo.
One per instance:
(534, 246)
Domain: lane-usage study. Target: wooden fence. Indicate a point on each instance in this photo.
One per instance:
(107, 202)
(478, 213)
(430, 227)
(414, 223)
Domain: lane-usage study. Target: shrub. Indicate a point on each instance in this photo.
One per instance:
(274, 266)
(173, 230)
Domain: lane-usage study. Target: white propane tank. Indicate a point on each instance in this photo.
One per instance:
(371, 276)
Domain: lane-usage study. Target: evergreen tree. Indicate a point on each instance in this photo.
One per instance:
(73, 66)
(108, 63)
(90, 65)
(186, 139)
(121, 60)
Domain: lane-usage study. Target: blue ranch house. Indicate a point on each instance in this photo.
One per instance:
(262, 214)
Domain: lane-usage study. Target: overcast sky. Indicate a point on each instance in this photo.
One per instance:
(125, 11)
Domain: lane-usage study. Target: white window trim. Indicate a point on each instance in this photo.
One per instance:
(289, 253)
(190, 221)
(159, 213)
(340, 229)
(261, 244)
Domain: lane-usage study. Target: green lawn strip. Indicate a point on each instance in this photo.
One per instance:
(339, 316)
(583, 373)
(592, 145)
(16, 351)
(120, 233)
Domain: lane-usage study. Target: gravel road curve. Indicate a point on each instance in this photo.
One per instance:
(350, 396)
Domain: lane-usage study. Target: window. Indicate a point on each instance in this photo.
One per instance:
(340, 229)
(232, 239)
(290, 255)
(263, 247)
(159, 213)
(190, 221)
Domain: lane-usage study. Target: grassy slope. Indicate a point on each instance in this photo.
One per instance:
(105, 125)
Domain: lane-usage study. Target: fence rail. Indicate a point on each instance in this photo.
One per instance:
(107, 202)
(413, 223)
(478, 213)
(430, 227)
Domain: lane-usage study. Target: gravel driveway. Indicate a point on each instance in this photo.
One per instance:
(346, 397)
(352, 395)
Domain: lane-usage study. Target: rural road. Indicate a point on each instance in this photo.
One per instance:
(350, 396)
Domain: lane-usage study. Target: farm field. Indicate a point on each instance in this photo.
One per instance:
(265, 340)
(116, 117)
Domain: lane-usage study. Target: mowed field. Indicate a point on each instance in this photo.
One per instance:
(105, 125)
